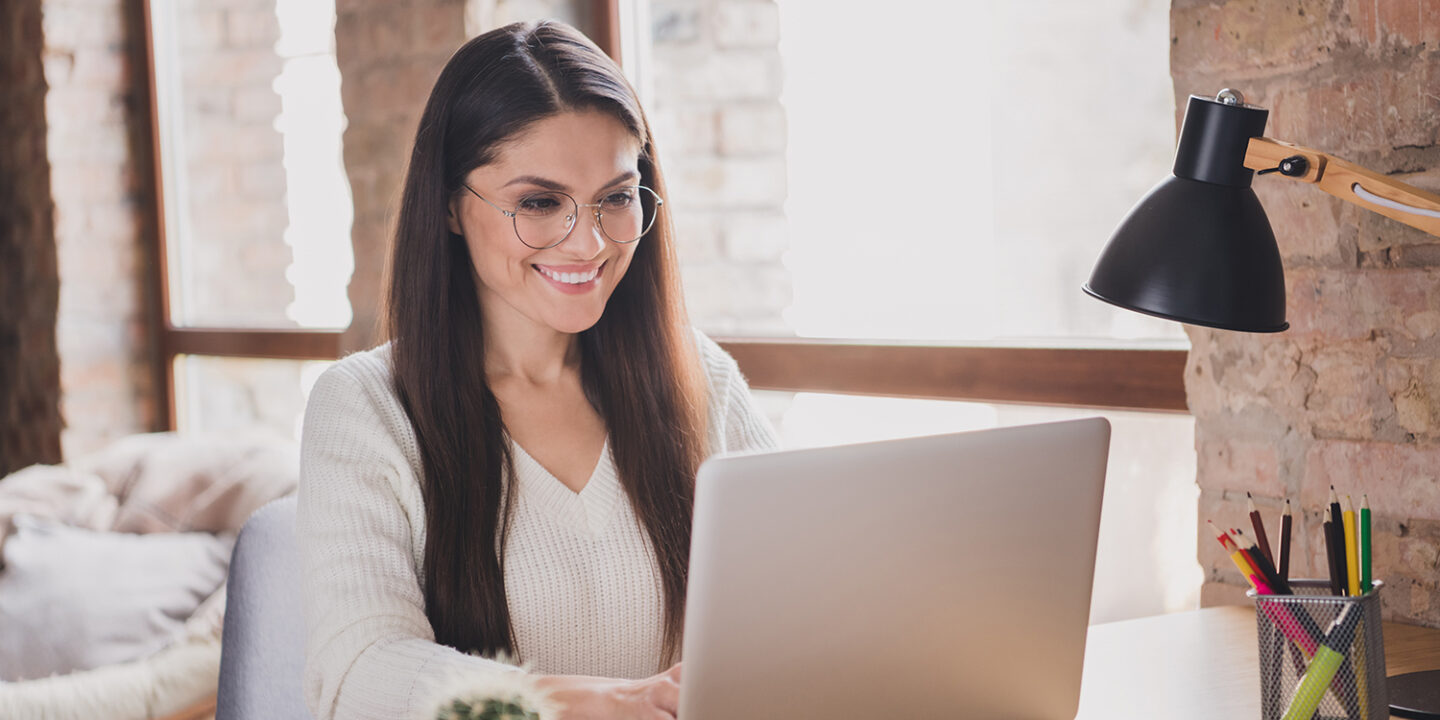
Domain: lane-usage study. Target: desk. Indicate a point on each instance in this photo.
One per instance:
(1202, 664)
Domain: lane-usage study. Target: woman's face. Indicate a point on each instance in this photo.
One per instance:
(586, 154)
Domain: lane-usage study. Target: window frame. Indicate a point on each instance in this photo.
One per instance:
(1117, 379)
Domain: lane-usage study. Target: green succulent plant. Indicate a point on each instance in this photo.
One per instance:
(488, 710)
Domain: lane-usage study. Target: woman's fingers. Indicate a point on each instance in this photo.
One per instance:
(665, 691)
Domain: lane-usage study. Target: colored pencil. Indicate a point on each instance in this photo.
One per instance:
(1285, 543)
(1306, 639)
(1267, 570)
(1259, 524)
(1298, 627)
(1242, 564)
(1352, 550)
(1366, 572)
(1339, 520)
(1336, 587)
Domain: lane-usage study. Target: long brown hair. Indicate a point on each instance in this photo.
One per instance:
(639, 366)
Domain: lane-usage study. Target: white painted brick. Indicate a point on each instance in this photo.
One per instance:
(730, 183)
(721, 76)
(725, 295)
(756, 238)
(752, 129)
(697, 236)
(686, 130)
(747, 23)
(676, 22)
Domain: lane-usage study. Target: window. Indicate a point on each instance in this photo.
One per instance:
(953, 177)
(256, 206)
(918, 192)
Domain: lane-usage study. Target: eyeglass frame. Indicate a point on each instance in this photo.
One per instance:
(595, 210)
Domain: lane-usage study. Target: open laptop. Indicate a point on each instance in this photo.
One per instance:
(932, 577)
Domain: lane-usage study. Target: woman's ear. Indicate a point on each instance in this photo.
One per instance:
(452, 214)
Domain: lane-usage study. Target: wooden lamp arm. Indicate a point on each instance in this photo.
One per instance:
(1352, 183)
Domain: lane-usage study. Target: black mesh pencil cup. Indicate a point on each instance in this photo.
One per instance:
(1322, 656)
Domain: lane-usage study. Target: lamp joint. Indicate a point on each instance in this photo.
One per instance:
(1293, 166)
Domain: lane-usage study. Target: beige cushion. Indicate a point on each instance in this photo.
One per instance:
(75, 599)
(57, 492)
(167, 482)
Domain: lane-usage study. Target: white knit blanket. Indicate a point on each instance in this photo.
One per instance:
(167, 682)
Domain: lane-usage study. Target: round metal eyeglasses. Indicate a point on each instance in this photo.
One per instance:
(544, 219)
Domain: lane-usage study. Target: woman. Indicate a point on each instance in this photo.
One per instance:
(511, 475)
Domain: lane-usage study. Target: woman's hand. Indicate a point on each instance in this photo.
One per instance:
(594, 698)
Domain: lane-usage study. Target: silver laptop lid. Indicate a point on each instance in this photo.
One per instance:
(933, 577)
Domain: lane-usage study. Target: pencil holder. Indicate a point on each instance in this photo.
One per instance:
(1322, 656)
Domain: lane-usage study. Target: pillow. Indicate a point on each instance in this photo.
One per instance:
(212, 483)
(76, 599)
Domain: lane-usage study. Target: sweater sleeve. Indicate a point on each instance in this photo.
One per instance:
(370, 651)
(737, 424)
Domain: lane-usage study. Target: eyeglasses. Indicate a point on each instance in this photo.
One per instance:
(544, 219)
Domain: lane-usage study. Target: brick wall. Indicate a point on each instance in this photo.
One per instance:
(389, 56)
(1349, 395)
(716, 77)
(29, 285)
(98, 145)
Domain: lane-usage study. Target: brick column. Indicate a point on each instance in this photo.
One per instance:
(389, 55)
(29, 285)
(1350, 396)
(98, 146)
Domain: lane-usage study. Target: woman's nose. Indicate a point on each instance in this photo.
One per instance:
(586, 241)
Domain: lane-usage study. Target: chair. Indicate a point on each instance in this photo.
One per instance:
(262, 653)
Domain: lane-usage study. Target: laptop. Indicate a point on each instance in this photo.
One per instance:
(933, 577)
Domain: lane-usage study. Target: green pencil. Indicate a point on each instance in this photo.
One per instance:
(1366, 572)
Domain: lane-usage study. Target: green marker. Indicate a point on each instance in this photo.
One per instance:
(1323, 666)
(1365, 570)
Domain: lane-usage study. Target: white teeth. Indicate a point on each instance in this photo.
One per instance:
(571, 278)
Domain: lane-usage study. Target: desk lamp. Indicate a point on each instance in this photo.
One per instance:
(1199, 249)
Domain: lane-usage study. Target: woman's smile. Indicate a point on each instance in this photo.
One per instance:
(572, 279)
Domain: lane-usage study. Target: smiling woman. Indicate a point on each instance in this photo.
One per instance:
(545, 262)
(512, 473)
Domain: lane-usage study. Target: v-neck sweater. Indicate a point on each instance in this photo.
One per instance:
(581, 579)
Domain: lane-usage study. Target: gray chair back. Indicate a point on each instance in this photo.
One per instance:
(262, 653)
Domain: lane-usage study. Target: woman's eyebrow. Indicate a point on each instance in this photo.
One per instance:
(537, 180)
(549, 184)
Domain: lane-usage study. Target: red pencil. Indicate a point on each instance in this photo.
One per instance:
(1259, 526)
(1262, 563)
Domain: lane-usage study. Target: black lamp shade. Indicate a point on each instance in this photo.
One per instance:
(1198, 248)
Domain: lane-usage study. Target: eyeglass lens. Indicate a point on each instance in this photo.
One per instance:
(545, 219)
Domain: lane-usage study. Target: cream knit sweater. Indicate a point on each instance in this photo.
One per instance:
(580, 577)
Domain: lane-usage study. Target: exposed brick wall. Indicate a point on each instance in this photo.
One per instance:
(29, 286)
(97, 144)
(721, 132)
(1349, 395)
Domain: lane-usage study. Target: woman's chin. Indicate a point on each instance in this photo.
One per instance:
(574, 322)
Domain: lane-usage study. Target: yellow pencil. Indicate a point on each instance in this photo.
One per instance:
(1352, 554)
(1247, 571)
